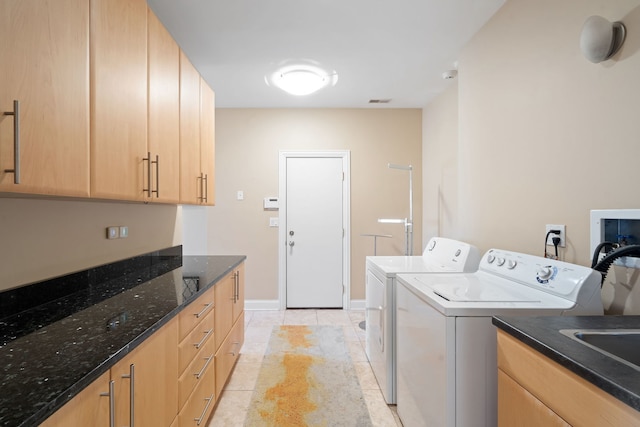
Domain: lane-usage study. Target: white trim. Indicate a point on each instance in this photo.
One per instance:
(274, 304)
(258, 304)
(345, 155)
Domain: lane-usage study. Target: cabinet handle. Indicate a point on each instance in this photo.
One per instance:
(206, 307)
(206, 335)
(132, 388)
(205, 195)
(199, 420)
(208, 360)
(148, 160)
(201, 179)
(157, 190)
(112, 403)
(16, 141)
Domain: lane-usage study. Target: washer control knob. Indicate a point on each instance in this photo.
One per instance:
(544, 273)
(490, 258)
(500, 261)
(512, 264)
(431, 245)
(458, 252)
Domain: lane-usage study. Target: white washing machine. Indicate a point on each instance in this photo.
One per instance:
(447, 363)
(440, 255)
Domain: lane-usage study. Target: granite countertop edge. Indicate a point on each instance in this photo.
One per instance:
(571, 355)
(60, 400)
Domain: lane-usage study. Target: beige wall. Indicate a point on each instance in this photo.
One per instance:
(248, 142)
(42, 239)
(544, 135)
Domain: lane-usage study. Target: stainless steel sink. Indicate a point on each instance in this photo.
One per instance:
(622, 345)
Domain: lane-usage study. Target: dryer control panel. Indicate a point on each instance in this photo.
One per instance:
(563, 279)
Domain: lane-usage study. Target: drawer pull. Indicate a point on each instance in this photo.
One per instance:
(206, 335)
(206, 307)
(199, 420)
(208, 360)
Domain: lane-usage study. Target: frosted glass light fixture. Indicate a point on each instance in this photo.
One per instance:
(601, 39)
(300, 80)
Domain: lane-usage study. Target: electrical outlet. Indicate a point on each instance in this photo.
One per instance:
(273, 221)
(240, 195)
(551, 236)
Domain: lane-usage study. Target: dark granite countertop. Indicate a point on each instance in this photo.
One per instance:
(47, 358)
(542, 334)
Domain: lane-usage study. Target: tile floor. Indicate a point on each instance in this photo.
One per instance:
(232, 407)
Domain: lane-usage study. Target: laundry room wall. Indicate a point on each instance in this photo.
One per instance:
(544, 135)
(248, 142)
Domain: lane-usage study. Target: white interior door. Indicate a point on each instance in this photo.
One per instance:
(314, 232)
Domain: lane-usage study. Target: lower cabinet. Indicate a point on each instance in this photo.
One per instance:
(141, 389)
(146, 381)
(533, 390)
(89, 408)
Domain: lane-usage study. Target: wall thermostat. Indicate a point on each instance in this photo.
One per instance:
(271, 203)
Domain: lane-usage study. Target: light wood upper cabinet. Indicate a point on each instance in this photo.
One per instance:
(45, 66)
(197, 137)
(118, 98)
(207, 141)
(163, 115)
(191, 183)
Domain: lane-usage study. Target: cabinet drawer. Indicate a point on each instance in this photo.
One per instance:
(191, 345)
(228, 353)
(195, 312)
(196, 371)
(198, 408)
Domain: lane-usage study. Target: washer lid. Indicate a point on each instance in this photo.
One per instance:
(465, 292)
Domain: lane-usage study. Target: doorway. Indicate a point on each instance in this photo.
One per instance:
(314, 241)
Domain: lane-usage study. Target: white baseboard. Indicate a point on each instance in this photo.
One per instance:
(259, 304)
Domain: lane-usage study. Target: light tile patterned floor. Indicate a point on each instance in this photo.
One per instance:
(236, 397)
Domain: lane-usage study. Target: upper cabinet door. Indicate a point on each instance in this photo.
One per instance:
(164, 114)
(207, 141)
(118, 98)
(191, 178)
(45, 67)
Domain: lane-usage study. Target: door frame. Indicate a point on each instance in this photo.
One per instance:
(345, 155)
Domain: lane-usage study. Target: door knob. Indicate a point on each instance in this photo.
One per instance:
(291, 243)
(291, 233)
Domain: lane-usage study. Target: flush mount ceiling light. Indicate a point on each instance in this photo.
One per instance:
(301, 79)
(601, 39)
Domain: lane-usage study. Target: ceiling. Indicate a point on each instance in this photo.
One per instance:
(381, 49)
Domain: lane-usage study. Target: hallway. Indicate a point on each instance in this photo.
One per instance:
(233, 404)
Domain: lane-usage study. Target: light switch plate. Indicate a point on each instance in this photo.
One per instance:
(124, 231)
(112, 232)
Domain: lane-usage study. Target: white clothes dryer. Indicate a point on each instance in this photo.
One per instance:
(446, 343)
(441, 255)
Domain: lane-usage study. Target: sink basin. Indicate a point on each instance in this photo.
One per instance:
(622, 345)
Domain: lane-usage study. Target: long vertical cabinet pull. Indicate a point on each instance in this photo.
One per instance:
(201, 179)
(132, 389)
(112, 404)
(149, 190)
(16, 141)
(236, 286)
(157, 190)
(148, 160)
(205, 195)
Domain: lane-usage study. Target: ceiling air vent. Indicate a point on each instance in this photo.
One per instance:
(379, 101)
